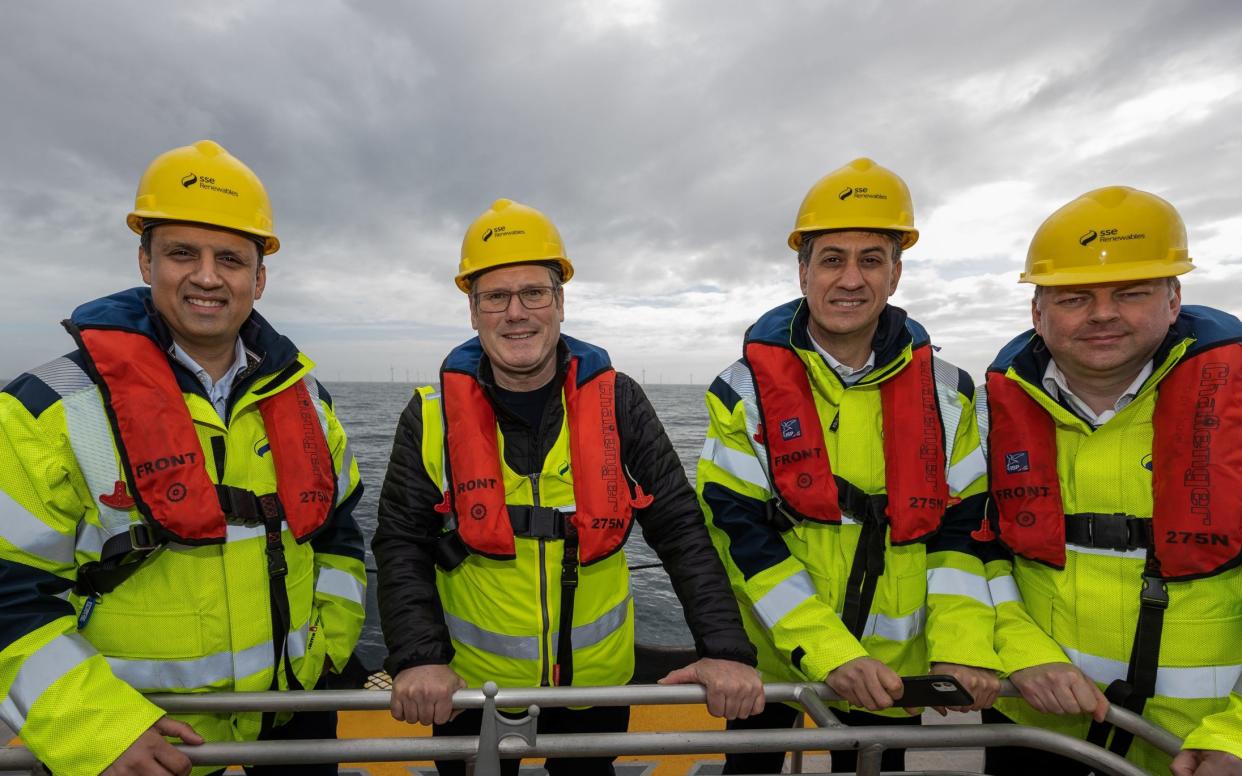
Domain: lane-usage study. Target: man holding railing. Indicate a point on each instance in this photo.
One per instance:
(842, 476)
(509, 497)
(1113, 434)
(176, 500)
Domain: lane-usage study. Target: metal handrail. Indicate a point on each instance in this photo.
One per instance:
(520, 740)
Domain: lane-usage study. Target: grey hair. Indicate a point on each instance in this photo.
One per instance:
(808, 242)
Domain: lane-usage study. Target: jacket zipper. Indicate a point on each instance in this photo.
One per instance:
(543, 588)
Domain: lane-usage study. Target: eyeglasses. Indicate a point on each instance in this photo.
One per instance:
(534, 298)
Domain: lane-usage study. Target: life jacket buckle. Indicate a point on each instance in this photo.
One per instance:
(1155, 592)
(776, 517)
(141, 537)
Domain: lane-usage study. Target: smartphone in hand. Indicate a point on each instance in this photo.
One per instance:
(932, 690)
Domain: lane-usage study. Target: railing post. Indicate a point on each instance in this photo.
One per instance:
(869, 760)
(795, 757)
(495, 727)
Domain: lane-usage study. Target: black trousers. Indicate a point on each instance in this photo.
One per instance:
(303, 725)
(1019, 761)
(599, 719)
(778, 715)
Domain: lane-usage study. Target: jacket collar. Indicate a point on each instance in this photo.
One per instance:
(133, 310)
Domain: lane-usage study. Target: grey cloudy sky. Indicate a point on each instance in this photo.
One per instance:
(671, 142)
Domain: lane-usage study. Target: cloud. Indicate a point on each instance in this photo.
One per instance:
(671, 143)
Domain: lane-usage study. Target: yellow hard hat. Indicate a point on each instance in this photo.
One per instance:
(1106, 236)
(204, 184)
(510, 233)
(860, 195)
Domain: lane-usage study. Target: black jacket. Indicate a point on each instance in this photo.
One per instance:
(409, 526)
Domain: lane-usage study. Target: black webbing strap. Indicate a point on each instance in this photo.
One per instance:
(119, 558)
(527, 521)
(123, 554)
(1140, 682)
(537, 522)
(868, 562)
(277, 569)
(1118, 532)
(563, 671)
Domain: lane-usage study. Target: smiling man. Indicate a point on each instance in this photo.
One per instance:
(509, 497)
(842, 475)
(176, 508)
(1115, 473)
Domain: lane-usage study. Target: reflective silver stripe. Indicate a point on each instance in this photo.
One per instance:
(518, 647)
(1237, 688)
(792, 591)
(240, 533)
(63, 376)
(950, 581)
(90, 436)
(950, 408)
(312, 386)
(250, 661)
(193, 673)
(1139, 554)
(1004, 590)
(981, 416)
(592, 633)
(342, 477)
(741, 465)
(91, 538)
(896, 628)
(296, 645)
(339, 583)
(40, 671)
(738, 377)
(29, 534)
(1171, 682)
(963, 473)
(433, 396)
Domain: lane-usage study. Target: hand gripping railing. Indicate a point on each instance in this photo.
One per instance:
(501, 737)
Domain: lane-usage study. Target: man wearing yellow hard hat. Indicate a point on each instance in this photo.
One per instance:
(1116, 474)
(176, 504)
(509, 497)
(842, 476)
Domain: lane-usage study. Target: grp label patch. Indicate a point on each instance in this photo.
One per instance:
(1017, 462)
(791, 428)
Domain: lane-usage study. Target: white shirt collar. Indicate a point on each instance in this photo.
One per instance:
(848, 374)
(1057, 387)
(217, 390)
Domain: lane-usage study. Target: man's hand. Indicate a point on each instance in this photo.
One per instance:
(734, 690)
(1205, 762)
(865, 682)
(425, 694)
(981, 683)
(151, 755)
(1060, 688)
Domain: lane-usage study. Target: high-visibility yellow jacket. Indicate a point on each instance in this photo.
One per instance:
(1087, 613)
(192, 618)
(499, 619)
(932, 601)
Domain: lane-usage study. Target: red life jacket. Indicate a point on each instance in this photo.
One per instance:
(1196, 468)
(604, 508)
(164, 460)
(801, 474)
